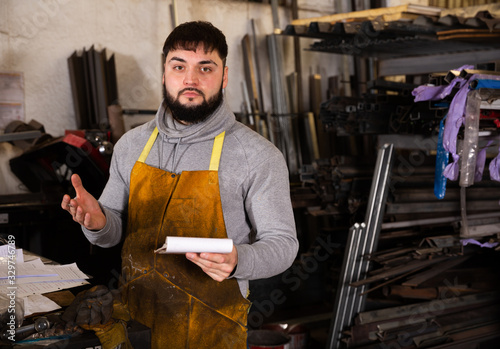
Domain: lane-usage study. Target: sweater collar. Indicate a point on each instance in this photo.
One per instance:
(221, 119)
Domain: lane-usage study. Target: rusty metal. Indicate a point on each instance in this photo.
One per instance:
(390, 281)
(415, 324)
(396, 271)
(436, 270)
(427, 293)
(426, 308)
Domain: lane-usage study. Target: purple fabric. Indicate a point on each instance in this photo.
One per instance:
(495, 168)
(452, 171)
(480, 161)
(454, 121)
(455, 117)
(433, 93)
(475, 242)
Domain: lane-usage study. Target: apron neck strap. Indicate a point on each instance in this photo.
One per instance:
(216, 150)
(149, 145)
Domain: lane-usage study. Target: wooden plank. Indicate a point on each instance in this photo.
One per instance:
(372, 14)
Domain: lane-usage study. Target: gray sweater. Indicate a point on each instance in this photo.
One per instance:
(254, 187)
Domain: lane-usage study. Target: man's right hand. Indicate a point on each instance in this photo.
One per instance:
(84, 207)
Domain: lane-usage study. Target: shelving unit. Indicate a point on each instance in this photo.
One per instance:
(410, 40)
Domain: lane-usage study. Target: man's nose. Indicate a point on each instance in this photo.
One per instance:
(191, 77)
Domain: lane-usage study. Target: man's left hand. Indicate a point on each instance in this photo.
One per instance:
(216, 265)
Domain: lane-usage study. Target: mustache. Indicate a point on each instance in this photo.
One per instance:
(191, 89)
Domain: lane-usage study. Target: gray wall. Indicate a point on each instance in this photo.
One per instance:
(37, 37)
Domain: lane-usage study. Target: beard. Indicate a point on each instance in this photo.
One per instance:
(191, 114)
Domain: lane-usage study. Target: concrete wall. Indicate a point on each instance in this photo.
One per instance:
(37, 37)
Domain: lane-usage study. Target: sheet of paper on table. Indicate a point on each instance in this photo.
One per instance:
(35, 277)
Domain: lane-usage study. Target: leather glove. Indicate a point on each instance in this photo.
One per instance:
(91, 307)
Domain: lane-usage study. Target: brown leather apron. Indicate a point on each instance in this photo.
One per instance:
(182, 305)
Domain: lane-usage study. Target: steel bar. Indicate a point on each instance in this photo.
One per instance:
(375, 212)
(17, 136)
(452, 194)
(342, 297)
(298, 60)
(389, 281)
(173, 14)
(275, 14)
(422, 207)
(257, 67)
(467, 343)
(393, 272)
(250, 78)
(364, 334)
(281, 103)
(458, 330)
(352, 296)
(362, 241)
(435, 221)
(421, 277)
(426, 307)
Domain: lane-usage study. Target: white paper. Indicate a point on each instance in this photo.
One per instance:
(35, 277)
(38, 304)
(5, 254)
(24, 290)
(178, 244)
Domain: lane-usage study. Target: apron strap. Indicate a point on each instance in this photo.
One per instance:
(149, 145)
(216, 151)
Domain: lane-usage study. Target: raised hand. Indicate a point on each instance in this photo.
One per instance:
(84, 207)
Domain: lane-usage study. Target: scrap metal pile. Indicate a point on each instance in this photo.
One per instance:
(414, 281)
(439, 294)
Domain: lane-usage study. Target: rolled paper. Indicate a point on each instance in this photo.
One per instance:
(180, 244)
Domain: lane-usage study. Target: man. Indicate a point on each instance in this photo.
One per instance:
(193, 171)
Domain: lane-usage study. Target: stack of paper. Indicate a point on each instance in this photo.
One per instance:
(28, 280)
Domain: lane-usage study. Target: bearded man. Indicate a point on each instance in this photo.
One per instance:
(193, 171)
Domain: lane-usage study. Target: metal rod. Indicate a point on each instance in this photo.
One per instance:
(17, 136)
(342, 298)
(375, 211)
(362, 241)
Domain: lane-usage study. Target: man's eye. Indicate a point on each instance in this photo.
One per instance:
(206, 69)
(178, 67)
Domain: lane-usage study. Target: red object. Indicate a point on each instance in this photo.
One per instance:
(489, 114)
(85, 146)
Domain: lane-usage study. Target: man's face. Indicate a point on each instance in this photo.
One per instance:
(193, 83)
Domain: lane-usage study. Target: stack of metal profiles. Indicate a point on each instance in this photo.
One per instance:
(93, 86)
(380, 113)
(401, 31)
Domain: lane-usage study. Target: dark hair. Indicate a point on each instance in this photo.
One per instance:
(189, 35)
